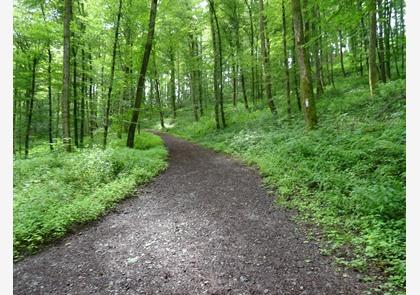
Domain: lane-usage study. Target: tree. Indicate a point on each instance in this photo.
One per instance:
(307, 96)
(66, 76)
(111, 80)
(142, 76)
(266, 60)
(286, 61)
(373, 74)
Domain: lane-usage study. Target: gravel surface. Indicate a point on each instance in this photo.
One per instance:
(204, 226)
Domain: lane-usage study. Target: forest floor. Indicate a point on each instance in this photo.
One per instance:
(206, 225)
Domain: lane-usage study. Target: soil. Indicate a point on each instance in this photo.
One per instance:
(206, 225)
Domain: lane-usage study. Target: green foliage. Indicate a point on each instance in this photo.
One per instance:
(54, 191)
(348, 176)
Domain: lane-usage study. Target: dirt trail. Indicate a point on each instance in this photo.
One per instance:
(204, 226)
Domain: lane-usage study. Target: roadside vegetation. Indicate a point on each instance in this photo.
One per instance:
(347, 176)
(55, 191)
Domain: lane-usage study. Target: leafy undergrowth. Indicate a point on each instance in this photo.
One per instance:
(347, 176)
(54, 191)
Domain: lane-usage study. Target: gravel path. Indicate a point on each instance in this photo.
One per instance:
(204, 226)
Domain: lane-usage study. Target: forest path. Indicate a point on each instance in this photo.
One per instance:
(204, 226)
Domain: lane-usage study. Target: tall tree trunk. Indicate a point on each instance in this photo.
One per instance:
(340, 35)
(387, 32)
(332, 68)
(218, 40)
(266, 61)
(373, 75)
(75, 107)
(307, 97)
(92, 103)
(172, 82)
(50, 128)
(82, 100)
(66, 76)
(30, 107)
(381, 43)
(295, 75)
(111, 80)
(15, 99)
(49, 78)
(286, 61)
(215, 68)
(157, 92)
(395, 45)
(319, 87)
(142, 77)
(193, 75)
(402, 24)
(234, 82)
(251, 39)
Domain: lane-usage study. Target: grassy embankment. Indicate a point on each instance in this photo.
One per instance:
(54, 191)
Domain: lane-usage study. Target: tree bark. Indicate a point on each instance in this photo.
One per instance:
(216, 83)
(381, 43)
(373, 75)
(49, 77)
(307, 97)
(75, 106)
(266, 61)
(30, 106)
(66, 76)
(340, 35)
(111, 80)
(286, 61)
(142, 76)
(172, 82)
(157, 91)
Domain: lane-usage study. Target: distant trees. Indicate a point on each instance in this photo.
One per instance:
(212, 57)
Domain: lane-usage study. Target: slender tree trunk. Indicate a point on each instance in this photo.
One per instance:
(319, 87)
(66, 76)
(266, 61)
(111, 80)
(142, 76)
(332, 68)
(387, 32)
(295, 75)
(15, 98)
(307, 98)
(157, 92)
(30, 106)
(75, 107)
(340, 34)
(49, 77)
(395, 45)
(286, 61)
(193, 75)
(234, 82)
(50, 128)
(172, 82)
(220, 59)
(380, 40)
(252, 52)
(92, 103)
(82, 101)
(373, 75)
(402, 24)
(216, 82)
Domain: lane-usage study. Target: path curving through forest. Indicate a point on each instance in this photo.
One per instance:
(204, 226)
